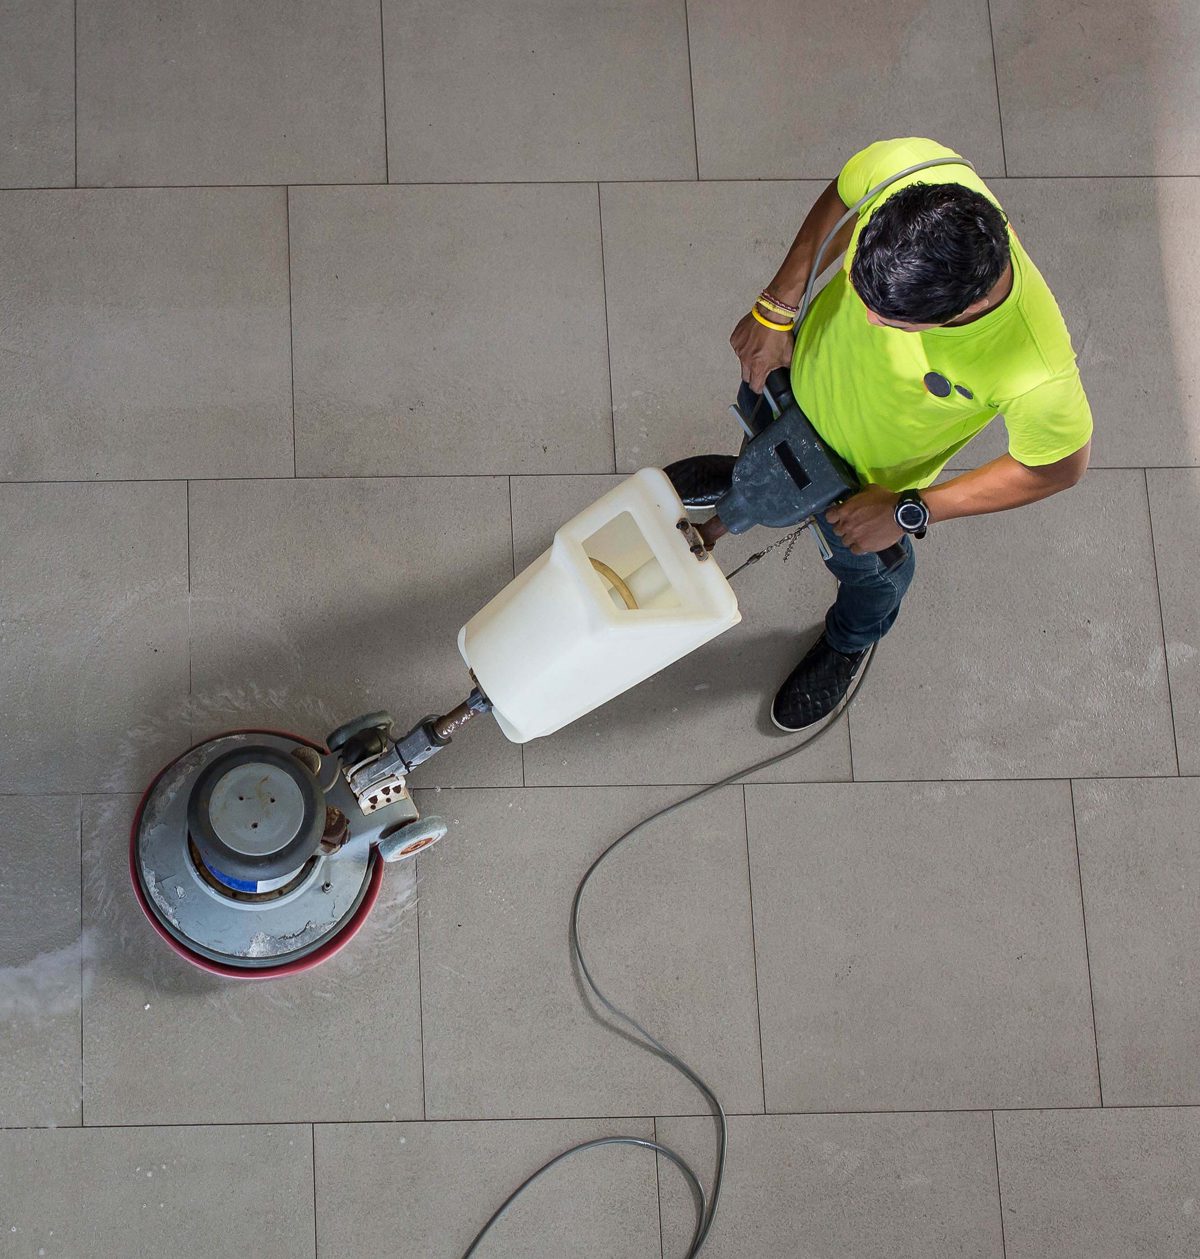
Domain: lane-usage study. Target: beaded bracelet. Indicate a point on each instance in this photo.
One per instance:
(773, 303)
(773, 309)
(766, 323)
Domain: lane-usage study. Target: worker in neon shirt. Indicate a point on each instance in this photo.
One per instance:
(936, 322)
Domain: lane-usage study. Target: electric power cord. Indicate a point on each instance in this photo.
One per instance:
(706, 1209)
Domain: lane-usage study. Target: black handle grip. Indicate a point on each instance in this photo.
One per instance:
(776, 394)
(778, 389)
(895, 554)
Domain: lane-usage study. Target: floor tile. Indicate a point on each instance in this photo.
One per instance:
(93, 631)
(920, 947)
(1028, 646)
(1141, 887)
(707, 715)
(538, 89)
(454, 1175)
(315, 601)
(666, 925)
(1101, 1184)
(117, 1193)
(41, 955)
(37, 94)
(1122, 259)
(871, 1186)
(217, 92)
(777, 98)
(147, 334)
(1100, 88)
(1174, 502)
(705, 250)
(164, 1042)
(449, 330)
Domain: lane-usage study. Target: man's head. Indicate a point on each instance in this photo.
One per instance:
(929, 253)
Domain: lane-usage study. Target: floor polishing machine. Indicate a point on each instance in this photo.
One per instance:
(260, 853)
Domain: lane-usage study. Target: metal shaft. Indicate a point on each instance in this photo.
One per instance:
(711, 530)
(447, 726)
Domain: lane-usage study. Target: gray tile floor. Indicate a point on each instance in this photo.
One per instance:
(278, 282)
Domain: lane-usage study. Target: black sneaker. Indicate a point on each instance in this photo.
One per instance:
(816, 687)
(702, 480)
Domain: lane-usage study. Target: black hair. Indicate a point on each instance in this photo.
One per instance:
(928, 252)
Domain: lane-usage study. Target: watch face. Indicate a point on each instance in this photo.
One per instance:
(911, 515)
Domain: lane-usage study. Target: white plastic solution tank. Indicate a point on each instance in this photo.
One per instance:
(560, 639)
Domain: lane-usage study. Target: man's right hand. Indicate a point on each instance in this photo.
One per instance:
(760, 350)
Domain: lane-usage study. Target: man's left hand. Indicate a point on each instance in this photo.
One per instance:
(867, 521)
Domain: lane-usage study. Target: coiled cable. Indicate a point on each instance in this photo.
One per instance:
(706, 1207)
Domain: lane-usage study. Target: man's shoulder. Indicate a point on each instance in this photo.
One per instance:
(883, 158)
(1041, 327)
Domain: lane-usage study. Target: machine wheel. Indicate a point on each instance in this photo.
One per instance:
(412, 838)
(369, 721)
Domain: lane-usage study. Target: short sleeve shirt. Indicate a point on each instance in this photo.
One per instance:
(898, 405)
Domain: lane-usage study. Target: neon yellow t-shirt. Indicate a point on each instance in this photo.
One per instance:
(864, 387)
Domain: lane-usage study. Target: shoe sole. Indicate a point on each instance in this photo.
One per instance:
(836, 711)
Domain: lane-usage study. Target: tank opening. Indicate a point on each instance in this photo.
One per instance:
(621, 548)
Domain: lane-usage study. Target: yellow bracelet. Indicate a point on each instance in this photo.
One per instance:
(769, 303)
(766, 323)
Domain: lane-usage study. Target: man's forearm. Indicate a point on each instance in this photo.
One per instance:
(866, 521)
(789, 281)
(1000, 485)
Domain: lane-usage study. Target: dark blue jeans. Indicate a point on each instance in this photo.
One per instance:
(869, 594)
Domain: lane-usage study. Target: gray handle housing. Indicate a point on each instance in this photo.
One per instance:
(786, 473)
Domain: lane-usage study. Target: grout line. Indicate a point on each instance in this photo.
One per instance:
(612, 403)
(287, 218)
(1086, 950)
(762, 1065)
(550, 183)
(75, 81)
(82, 1071)
(697, 1114)
(1101, 175)
(188, 511)
(849, 737)
(187, 488)
(512, 535)
(331, 476)
(313, 1129)
(996, 78)
(420, 995)
(51, 795)
(811, 782)
(658, 1189)
(687, 30)
(981, 1108)
(387, 176)
(1162, 620)
(758, 786)
(448, 476)
(512, 531)
(690, 786)
(999, 1191)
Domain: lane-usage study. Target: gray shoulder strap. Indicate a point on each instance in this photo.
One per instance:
(806, 301)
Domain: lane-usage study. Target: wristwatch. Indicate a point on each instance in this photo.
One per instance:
(911, 513)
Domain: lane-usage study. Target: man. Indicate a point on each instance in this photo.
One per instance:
(936, 322)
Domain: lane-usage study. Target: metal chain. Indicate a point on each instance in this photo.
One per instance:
(788, 540)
